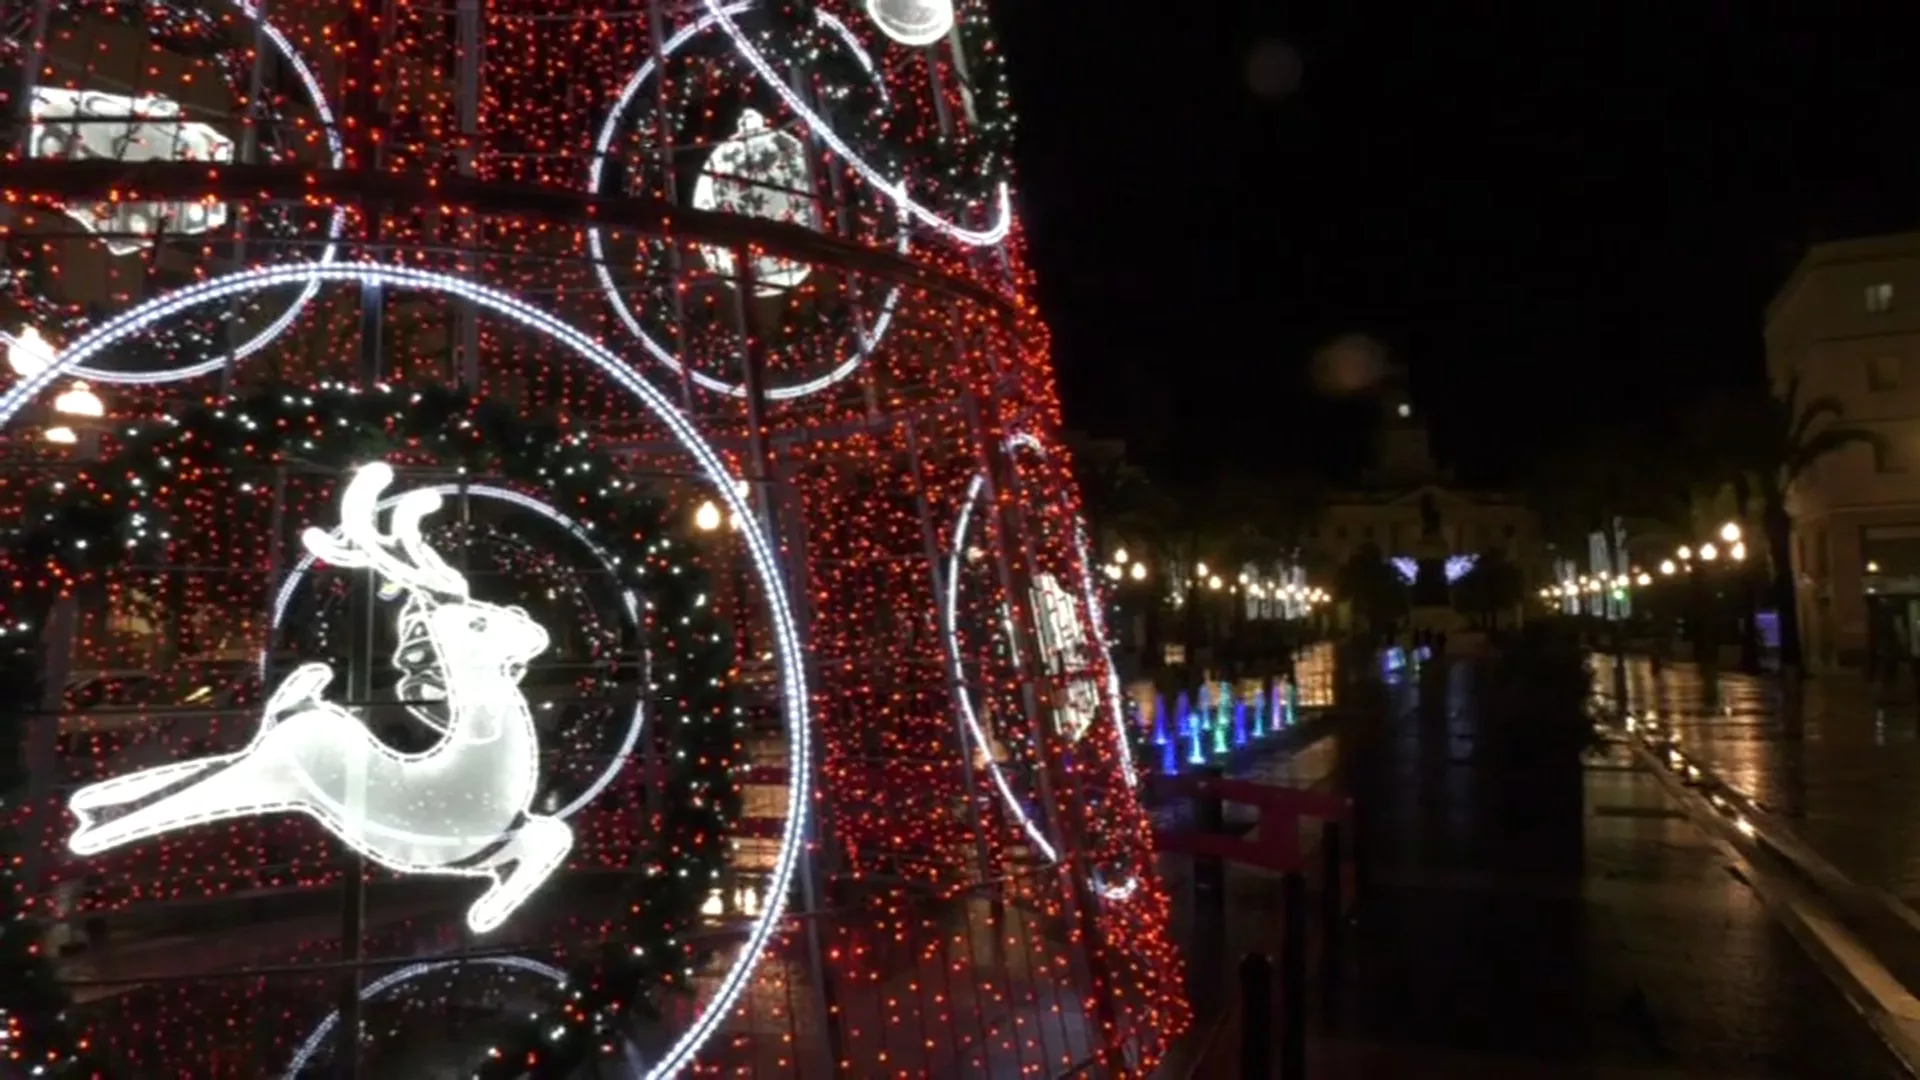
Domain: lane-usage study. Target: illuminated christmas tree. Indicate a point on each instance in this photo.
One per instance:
(719, 676)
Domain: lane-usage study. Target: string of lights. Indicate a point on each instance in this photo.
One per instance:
(788, 443)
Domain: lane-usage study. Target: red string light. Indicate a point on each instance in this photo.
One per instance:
(949, 938)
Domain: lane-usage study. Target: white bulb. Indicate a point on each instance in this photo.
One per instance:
(706, 517)
(912, 22)
(29, 353)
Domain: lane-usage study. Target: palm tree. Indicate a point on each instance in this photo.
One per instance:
(1762, 444)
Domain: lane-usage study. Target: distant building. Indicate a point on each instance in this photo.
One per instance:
(1412, 511)
(1847, 322)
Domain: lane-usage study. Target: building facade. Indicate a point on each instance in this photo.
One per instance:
(1413, 512)
(1847, 324)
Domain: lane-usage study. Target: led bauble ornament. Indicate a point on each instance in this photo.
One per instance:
(912, 22)
(88, 125)
(762, 173)
(462, 808)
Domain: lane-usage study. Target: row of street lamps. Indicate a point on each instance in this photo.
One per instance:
(1731, 545)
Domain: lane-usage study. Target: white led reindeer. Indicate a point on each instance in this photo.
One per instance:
(460, 808)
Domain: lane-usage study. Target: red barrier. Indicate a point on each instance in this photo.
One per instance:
(1274, 841)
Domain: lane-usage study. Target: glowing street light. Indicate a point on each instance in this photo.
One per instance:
(79, 400)
(28, 353)
(1667, 567)
(1708, 552)
(1685, 552)
(1644, 578)
(1213, 582)
(1730, 532)
(1120, 557)
(1738, 552)
(1138, 571)
(706, 517)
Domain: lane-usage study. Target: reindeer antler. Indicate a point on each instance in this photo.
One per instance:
(358, 543)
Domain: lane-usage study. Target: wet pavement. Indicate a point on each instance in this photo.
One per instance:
(1566, 923)
(1839, 762)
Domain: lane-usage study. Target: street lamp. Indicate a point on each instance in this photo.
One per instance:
(1686, 552)
(1738, 551)
(80, 402)
(1667, 567)
(1138, 571)
(29, 353)
(706, 517)
(1120, 557)
(1730, 532)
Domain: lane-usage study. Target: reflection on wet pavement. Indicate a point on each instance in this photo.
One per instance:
(1564, 922)
(1840, 762)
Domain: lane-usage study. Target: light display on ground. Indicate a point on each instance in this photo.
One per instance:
(1455, 567)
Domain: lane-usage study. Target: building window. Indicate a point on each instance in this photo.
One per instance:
(1883, 373)
(1880, 298)
(1886, 459)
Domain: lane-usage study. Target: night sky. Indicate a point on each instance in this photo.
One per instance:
(1571, 214)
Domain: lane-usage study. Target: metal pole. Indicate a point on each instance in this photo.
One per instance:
(955, 688)
(1256, 1014)
(760, 472)
(467, 324)
(1293, 977)
(669, 190)
(362, 607)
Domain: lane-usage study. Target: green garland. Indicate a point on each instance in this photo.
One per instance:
(965, 165)
(117, 513)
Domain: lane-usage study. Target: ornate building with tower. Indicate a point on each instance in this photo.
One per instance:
(1411, 511)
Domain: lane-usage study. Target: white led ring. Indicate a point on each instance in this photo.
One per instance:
(866, 339)
(316, 1038)
(1089, 592)
(780, 613)
(963, 697)
(628, 603)
(336, 159)
(896, 190)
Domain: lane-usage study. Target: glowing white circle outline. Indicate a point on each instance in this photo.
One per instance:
(866, 339)
(513, 498)
(391, 979)
(1095, 615)
(963, 698)
(336, 152)
(780, 613)
(894, 190)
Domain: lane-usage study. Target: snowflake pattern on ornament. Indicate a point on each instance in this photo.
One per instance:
(759, 172)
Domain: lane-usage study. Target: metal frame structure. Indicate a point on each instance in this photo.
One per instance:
(928, 419)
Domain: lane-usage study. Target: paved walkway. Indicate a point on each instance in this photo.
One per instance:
(1570, 927)
(1839, 761)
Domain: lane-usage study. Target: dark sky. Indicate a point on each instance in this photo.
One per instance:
(1571, 213)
